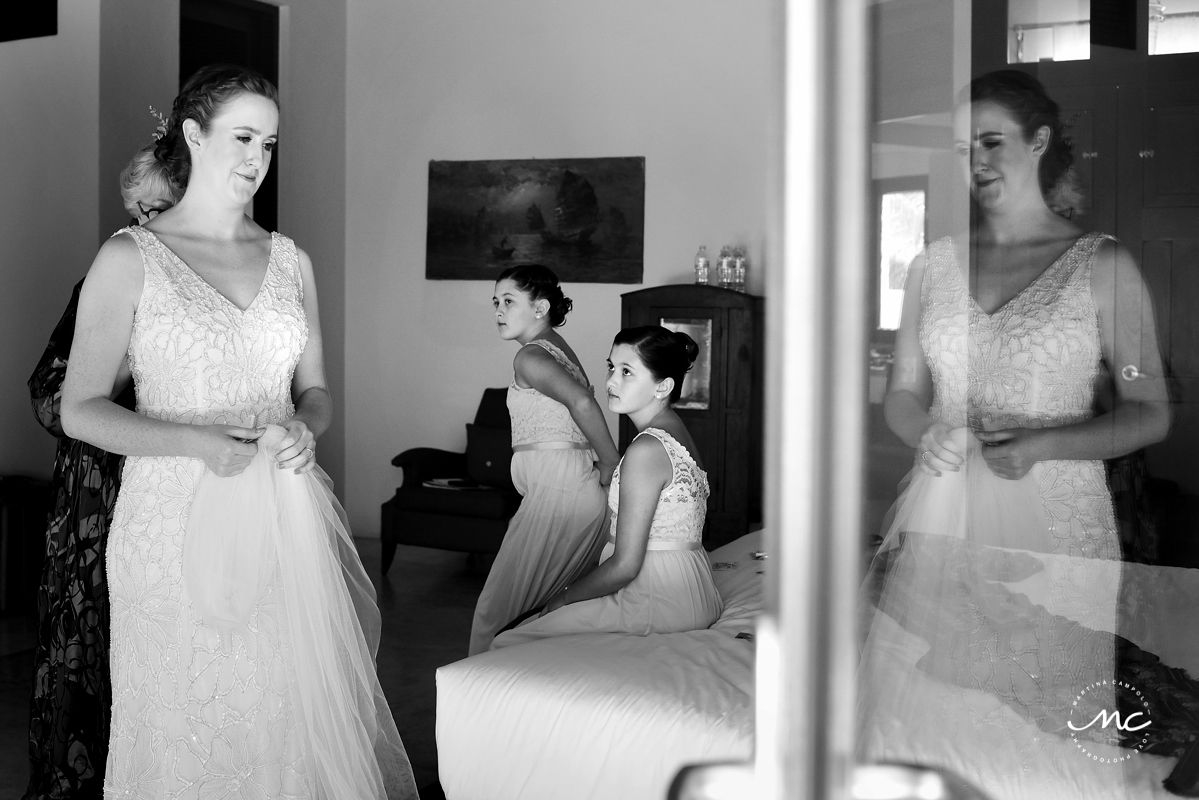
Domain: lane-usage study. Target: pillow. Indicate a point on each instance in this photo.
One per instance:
(489, 455)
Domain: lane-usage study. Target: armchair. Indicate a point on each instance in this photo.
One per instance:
(472, 518)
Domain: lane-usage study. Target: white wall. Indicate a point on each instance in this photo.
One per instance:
(48, 215)
(684, 83)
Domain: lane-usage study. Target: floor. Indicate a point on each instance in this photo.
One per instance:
(427, 601)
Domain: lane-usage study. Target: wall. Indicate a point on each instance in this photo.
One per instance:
(312, 182)
(684, 83)
(139, 65)
(48, 215)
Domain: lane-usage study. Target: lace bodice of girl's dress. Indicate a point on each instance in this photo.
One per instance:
(198, 358)
(1033, 363)
(682, 504)
(537, 418)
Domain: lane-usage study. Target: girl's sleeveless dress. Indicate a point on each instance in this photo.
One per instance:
(243, 625)
(556, 534)
(674, 590)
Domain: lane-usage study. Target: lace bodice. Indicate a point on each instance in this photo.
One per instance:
(197, 358)
(1032, 363)
(682, 504)
(537, 418)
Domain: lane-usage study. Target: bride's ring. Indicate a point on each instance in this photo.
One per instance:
(924, 457)
(311, 453)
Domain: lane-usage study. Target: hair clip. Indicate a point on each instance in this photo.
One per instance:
(161, 130)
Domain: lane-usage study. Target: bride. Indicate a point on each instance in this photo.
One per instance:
(243, 626)
(993, 595)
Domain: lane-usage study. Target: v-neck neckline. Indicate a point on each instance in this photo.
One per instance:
(270, 259)
(1027, 287)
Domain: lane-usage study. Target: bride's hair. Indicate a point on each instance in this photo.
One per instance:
(1025, 99)
(666, 353)
(201, 99)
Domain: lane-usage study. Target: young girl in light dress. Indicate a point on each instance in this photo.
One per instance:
(563, 456)
(654, 575)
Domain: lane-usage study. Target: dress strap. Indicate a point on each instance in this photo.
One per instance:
(564, 360)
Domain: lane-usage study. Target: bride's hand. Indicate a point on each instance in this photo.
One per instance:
(942, 448)
(228, 449)
(297, 450)
(1011, 453)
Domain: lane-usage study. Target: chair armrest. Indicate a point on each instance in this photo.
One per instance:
(422, 463)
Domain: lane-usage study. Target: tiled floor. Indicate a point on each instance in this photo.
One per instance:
(427, 601)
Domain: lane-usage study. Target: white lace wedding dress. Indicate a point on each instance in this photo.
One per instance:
(207, 708)
(988, 633)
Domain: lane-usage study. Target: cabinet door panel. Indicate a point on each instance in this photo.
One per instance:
(1170, 151)
(1088, 113)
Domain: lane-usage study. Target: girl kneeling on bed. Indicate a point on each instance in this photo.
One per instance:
(653, 575)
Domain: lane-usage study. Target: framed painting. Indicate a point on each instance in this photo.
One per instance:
(584, 218)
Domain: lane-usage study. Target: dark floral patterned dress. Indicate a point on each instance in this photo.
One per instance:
(71, 705)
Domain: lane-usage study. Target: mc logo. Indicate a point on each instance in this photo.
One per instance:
(1108, 694)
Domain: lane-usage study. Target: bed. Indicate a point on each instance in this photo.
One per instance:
(603, 715)
(938, 723)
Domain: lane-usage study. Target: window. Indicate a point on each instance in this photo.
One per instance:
(1038, 30)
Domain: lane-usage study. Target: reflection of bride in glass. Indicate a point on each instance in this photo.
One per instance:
(993, 594)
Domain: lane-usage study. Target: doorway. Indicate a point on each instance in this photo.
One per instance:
(243, 32)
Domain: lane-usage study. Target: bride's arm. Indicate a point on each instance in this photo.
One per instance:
(910, 392)
(314, 405)
(103, 327)
(644, 471)
(1140, 415)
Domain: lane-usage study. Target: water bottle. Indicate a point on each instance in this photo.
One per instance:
(739, 272)
(724, 268)
(701, 264)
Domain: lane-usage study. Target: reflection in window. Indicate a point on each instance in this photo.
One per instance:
(1173, 27)
(901, 221)
(1048, 30)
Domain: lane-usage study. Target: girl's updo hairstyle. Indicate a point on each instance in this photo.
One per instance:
(201, 99)
(540, 283)
(666, 353)
(1025, 99)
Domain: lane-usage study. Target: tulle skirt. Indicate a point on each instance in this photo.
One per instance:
(983, 646)
(555, 536)
(271, 531)
(673, 592)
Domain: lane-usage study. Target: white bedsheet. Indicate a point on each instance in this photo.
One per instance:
(603, 716)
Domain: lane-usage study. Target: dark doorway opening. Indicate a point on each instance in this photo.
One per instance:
(241, 32)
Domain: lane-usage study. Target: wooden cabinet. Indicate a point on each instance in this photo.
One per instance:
(722, 395)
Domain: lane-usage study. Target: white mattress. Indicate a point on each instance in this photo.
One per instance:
(603, 716)
(1156, 613)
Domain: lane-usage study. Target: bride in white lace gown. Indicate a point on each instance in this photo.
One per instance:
(987, 630)
(654, 575)
(256, 678)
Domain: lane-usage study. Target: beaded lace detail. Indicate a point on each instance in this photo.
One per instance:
(1032, 363)
(197, 358)
(682, 504)
(537, 418)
